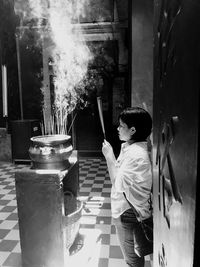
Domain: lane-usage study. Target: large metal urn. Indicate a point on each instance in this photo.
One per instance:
(50, 151)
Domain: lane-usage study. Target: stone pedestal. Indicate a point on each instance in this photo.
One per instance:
(40, 202)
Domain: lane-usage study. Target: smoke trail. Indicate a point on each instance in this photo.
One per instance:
(70, 54)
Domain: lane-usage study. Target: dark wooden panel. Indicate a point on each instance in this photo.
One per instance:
(176, 130)
(21, 132)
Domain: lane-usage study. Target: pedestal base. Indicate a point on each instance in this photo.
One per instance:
(40, 205)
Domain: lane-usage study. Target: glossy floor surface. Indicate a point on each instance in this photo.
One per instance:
(96, 244)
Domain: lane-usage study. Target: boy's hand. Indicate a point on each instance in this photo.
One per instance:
(107, 150)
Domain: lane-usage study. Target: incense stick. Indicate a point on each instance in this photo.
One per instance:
(99, 103)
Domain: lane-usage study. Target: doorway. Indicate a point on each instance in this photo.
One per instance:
(105, 81)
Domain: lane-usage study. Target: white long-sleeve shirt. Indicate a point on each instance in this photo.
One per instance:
(134, 178)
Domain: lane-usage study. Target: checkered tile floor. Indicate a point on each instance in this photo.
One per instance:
(96, 244)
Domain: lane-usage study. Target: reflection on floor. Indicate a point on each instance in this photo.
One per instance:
(96, 244)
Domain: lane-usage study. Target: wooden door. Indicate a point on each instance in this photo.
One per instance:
(176, 132)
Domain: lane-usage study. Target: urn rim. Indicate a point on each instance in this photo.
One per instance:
(54, 139)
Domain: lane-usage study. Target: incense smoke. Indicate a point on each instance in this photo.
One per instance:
(70, 55)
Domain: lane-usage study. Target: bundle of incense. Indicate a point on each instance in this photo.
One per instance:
(99, 103)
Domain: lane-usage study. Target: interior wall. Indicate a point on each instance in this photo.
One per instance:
(142, 54)
(5, 145)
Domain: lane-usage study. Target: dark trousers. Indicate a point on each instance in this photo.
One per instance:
(125, 226)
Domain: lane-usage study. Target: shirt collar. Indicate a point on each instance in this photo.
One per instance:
(125, 146)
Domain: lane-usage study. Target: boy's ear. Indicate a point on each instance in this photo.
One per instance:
(133, 130)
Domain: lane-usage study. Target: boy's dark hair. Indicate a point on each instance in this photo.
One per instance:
(140, 119)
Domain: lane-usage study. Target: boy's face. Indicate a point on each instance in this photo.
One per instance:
(124, 132)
